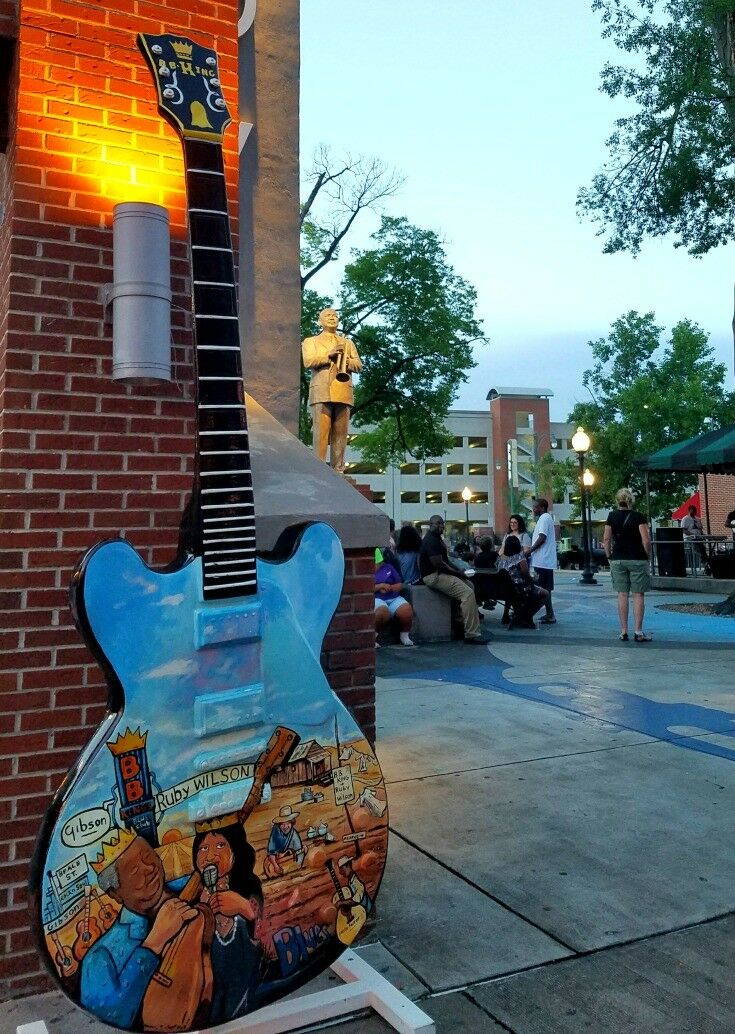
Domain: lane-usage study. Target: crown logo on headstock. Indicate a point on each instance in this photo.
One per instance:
(128, 740)
(182, 50)
(112, 849)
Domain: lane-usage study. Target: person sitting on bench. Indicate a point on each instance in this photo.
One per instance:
(443, 577)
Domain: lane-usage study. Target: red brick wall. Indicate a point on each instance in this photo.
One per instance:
(721, 495)
(81, 458)
(503, 412)
(349, 647)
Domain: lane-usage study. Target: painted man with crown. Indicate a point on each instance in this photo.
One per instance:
(119, 966)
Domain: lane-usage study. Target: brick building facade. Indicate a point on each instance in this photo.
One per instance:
(83, 458)
(721, 498)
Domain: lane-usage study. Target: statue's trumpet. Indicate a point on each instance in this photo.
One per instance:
(342, 371)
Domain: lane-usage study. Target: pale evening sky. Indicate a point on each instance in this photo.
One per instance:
(491, 110)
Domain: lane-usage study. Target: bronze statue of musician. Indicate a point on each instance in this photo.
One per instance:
(332, 360)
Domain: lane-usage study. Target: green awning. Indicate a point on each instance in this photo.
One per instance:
(710, 453)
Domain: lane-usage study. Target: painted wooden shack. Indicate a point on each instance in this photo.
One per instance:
(309, 763)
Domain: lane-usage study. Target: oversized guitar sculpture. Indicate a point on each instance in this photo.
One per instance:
(186, 817)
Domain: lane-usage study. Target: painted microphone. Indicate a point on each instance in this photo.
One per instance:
(210, 876)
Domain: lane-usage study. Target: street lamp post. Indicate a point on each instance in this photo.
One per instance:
(467, 495)
(589, 479)
(581, 444)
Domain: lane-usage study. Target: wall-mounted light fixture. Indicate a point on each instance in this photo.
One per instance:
(140, 294)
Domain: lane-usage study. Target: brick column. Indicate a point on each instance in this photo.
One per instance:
(81, 458)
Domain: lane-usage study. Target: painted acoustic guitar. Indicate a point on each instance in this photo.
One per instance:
(179, 813)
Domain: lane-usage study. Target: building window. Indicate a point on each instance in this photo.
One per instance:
(459, 442)
(455, 468)
(364, 468)
(434, 497)
(409, 468)
(434, 469)
(477, 443)
(477, 497)
(410, 497)
(478, 468)
(378, 497)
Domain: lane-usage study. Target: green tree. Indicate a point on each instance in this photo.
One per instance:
(413, 320)
(645, 396)
(671, 166)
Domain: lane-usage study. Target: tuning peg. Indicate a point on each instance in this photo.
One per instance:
(214, 82)
(168, 93)
(219, 102)
(211, 61)
(164, 71)
(156, 49)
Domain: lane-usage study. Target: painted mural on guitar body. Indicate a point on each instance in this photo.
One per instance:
(223, 836)
(142, 899)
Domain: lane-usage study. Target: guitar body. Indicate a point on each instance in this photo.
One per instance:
(202, 686)
(207, 813)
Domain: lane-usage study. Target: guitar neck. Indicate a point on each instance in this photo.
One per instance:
(223, 511)
(338, 886)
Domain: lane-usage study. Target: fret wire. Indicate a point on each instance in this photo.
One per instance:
(227, 531)
(226, 506)
(225, 552)
(213, 283)
(210, 247)
(232, 585)
(220, 378)
(225, 452)
(207, 172)
(213, 520)
(224, 432)
(241, 561)
(217, 542)
(232, 489)
(221, 473)
(212, 575)
(218, 348)
(209, 211)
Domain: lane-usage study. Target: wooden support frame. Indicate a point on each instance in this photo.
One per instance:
(363, 988)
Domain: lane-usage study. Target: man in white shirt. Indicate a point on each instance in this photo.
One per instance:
(542, 554)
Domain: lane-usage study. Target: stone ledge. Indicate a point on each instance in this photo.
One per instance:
(704, 584)
(292, 486)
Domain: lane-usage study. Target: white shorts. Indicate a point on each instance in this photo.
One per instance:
(392, 605)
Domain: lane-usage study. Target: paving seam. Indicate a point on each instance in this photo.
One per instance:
(575, 955)
(544, 757)
(585, 953)
(486, 893)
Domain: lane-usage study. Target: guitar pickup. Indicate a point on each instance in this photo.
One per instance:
(239, 623)
(228, 710)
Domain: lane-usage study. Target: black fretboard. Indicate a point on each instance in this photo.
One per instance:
(223, 510)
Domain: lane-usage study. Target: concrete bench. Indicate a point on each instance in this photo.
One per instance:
(432, 615)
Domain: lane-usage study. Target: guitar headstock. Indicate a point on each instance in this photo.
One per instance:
(188, 84)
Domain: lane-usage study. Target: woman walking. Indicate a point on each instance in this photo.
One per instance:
(627, 542)
(516, 528)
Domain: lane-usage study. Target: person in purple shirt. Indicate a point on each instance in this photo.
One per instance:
(389, 603)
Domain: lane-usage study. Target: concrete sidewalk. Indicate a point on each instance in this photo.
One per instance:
(562, 813)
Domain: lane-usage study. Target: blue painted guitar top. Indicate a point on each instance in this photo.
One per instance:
(223, 836)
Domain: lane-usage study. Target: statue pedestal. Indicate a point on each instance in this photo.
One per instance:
(363, 988)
